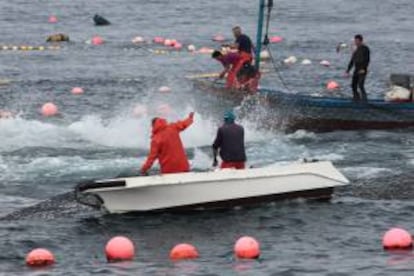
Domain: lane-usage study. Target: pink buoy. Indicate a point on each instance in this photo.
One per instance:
(178, 46)
(205, 50)
(40, 257)
(332, 85)
(276, 39)
(325, 63)
(4, 114)
(77, 90)
(49, 109)
(138, 40)
(247, 248)
(158, 40)
(397, 238)
(219, 38)
(53, 19)
(97, 40)
(119, 249)
(140, 111)
(168, 42)
(183, 251)
(164, 89)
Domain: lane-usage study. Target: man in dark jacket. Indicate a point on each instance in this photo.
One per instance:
(360, 61)
(230, 143)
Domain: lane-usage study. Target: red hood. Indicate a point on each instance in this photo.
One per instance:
(159, 125)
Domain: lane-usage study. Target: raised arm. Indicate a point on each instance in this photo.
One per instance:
(182, 125)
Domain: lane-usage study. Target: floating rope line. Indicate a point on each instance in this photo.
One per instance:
(27, 48)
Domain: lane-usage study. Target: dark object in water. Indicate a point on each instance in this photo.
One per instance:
(57, 38)
(100, 21)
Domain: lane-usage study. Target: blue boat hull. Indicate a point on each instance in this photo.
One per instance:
(291, 112)
(327, 114)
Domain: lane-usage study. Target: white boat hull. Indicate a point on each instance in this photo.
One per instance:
(225, 188)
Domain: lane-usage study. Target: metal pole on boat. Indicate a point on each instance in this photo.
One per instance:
(259, 34)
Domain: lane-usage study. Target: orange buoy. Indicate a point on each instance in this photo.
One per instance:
(332, 85)
(97, 40)
(40, 257)
(158, 40)
(49, 109)
(183, 251)
(77, 90)
(53, 19)
(276, 39)
(247, 248)
(397, 238)
(119, 249)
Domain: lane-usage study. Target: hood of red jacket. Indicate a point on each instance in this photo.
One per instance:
(159, 125)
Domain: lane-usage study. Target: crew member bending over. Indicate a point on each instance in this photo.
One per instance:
(360, 61)
(229, 143)
(229, 62)
(166, 146)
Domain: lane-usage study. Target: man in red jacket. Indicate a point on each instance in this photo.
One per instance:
(166, 146)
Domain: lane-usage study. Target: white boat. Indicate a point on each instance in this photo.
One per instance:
(218, 189)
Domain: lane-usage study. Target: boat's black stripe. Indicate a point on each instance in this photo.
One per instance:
(83, 186)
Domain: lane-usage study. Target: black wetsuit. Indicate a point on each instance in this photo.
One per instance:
(245, 44)
(360, 60)
(230, 141)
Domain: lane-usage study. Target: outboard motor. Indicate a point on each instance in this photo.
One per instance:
(100, 21)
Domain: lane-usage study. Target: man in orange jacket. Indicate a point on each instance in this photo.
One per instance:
(166, 146)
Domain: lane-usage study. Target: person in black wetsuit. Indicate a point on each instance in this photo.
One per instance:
(360, 61)
(230, 142)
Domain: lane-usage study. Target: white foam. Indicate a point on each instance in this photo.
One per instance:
(367, 172)
(301, 134)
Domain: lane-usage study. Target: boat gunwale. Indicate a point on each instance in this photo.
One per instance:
(104, 189)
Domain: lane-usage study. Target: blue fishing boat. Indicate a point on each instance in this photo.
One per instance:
(292, 111)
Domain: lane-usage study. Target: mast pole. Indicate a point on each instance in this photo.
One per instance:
(259, 34)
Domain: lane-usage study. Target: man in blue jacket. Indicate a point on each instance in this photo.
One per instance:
(229, 143)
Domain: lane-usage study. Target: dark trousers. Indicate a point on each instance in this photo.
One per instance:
(358, 81)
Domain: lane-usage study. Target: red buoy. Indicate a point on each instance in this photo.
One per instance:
(49, 109)
(247, 248)
(397, 239)
(119, 249)
(183, 251)
(40, 257)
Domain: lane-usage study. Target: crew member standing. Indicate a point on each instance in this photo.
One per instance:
(229, 143)
(166, 146)
(360, 61)
(244, 45)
